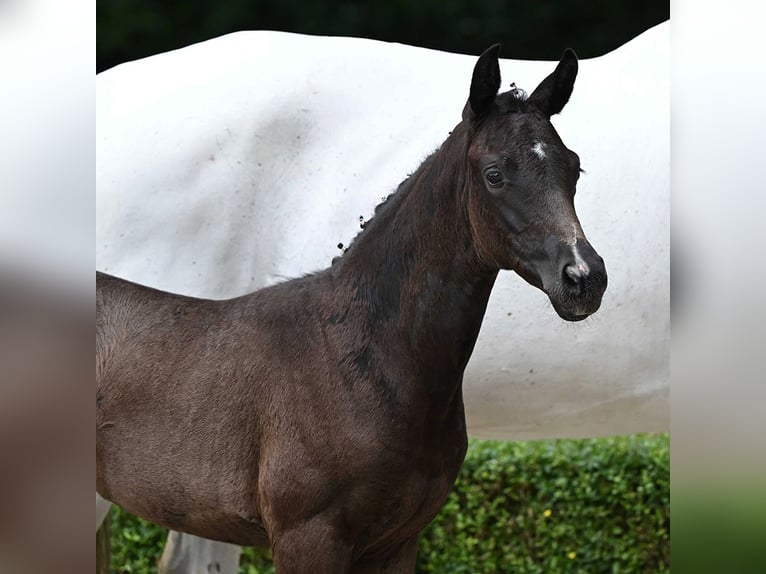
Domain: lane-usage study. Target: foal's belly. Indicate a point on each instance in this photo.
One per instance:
(231, 529)
(159, 494)
(189, 479)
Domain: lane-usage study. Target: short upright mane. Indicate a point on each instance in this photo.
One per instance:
(391, 201)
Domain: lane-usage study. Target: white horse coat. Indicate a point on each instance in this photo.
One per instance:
(238, 162)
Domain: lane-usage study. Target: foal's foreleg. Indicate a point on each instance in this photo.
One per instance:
(400, 561)
(310, 548)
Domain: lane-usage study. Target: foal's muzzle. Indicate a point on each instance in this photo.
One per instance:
(579, 282)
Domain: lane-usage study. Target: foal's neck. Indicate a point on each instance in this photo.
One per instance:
(415, 268)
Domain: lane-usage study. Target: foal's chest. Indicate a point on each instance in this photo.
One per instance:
(409, 504)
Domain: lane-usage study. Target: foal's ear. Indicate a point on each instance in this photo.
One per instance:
(484, 84)
(554, 91)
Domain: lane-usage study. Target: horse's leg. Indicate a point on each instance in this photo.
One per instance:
(401, 561)
(102, 508)
(187, 554)
(310, 548)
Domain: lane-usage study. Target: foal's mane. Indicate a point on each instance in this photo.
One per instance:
(392, 201)
(513, 101)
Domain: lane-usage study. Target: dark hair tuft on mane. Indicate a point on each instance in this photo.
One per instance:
(512, 101)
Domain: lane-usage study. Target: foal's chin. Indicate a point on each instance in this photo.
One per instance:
(571, 317)
(574, 312)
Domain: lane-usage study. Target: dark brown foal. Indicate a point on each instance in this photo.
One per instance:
(323, 416)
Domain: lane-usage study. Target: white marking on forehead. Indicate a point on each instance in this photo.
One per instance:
(539, 149)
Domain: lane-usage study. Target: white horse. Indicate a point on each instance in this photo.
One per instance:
(232, 164)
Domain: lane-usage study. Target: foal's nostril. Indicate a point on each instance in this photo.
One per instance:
(573, 273)
(574, 276)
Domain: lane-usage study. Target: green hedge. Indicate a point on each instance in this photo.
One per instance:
(586, 506)
(568, 506)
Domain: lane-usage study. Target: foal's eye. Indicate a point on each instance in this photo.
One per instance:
(494, 177)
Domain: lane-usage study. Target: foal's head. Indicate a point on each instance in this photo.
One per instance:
(522, 184)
